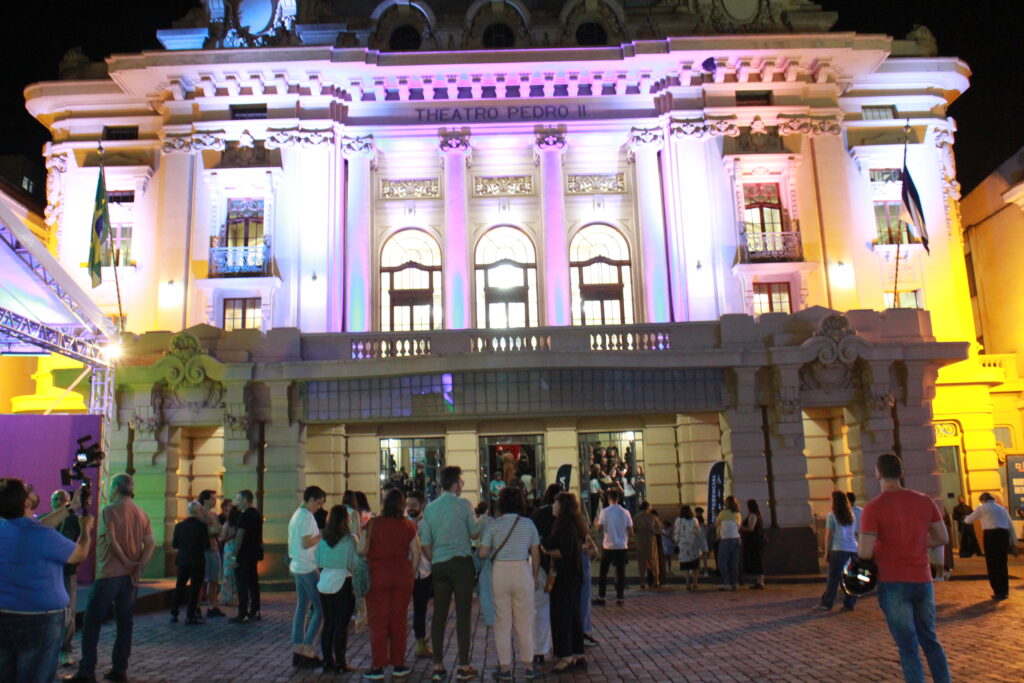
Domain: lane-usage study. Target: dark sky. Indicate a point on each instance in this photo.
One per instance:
(987, 34)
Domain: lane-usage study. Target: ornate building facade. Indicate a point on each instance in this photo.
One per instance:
(428, 233)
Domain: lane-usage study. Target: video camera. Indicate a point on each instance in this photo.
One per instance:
(85, 457)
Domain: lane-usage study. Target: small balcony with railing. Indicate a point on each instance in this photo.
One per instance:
(770, 247)
(250, 260)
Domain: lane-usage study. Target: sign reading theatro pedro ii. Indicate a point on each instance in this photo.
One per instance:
(510, 111)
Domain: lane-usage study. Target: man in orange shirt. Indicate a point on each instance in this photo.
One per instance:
(897, 528)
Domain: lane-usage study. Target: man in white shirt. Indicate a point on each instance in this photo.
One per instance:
(616, 524)
(303, 535)
(999, 537)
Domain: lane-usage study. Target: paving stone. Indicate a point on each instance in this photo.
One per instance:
(670, 635)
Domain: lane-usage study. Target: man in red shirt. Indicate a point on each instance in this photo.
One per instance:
(897, 528)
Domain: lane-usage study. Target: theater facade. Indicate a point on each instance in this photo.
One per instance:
(355, 247)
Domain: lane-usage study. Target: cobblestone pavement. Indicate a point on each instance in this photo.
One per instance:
(770, 635)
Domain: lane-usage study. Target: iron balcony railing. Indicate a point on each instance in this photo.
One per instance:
(767, 247)
(247, 261)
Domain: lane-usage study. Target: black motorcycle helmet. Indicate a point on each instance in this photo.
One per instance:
(859, 577)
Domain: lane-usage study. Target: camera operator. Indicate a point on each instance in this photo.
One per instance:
(32, 593)
(70, 529)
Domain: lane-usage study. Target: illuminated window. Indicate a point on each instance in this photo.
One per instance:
(506, 279)
(405, 39)
(909, 299)
(410, 283)
(891, 230)
(771, 297)
(599, 271)
(244, 226)
(762, 207)
(878, 113)
(243, 314)
(120, 204)
(499, 36)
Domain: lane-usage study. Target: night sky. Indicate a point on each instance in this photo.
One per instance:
(987, 34)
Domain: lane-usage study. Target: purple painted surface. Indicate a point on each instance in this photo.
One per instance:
(37, 447)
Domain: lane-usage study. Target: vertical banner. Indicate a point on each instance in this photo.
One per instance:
(716, 490)
(1015, 485)
(563, 476)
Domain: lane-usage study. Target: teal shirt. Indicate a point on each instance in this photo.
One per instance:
(448, 525)
(341, 556)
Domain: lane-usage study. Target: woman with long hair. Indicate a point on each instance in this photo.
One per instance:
(727, 528)
(692, 543)
(565, 546)
(753, 545)
(512, 544)
(840, 547)
(228, 587)
(336, 557)
(392, 548)
(363, 507)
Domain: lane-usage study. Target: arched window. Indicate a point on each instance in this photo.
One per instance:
(405, 39)
(506, 279)
(599, 275)
(410, 283)
(591, 33)
(499, 36)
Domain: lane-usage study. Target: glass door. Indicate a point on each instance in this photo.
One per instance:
(412, 464)
(516, 460)
(612, 460)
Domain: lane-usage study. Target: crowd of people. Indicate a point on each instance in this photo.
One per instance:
(528, 565)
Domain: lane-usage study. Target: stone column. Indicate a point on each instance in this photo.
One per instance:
(462, 448)
(550, 150)
(786, 439)
(644, 144)
(361, 154)
(284, 475)
(916, 431)
(700, 446)
(661, 467)
(561, 447)
(870, 430)
(336, 243)
(458, 271)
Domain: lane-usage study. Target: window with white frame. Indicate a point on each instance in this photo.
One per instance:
(120, 205)
(762, 208)
(907, 299)
(243, 314)
(772, 297)
(506, 279)
(244, 225)
(878, 112)
(889, 228)
(600, 277)
(410, 283)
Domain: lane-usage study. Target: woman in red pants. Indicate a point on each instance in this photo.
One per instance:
(392, 549)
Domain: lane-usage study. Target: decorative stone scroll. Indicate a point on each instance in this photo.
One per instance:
(803, 124)
(595, 183)
(550, 141)
(299, 137)
(358, 146)
(646, 139)
(56, 167)
(419, 188)
(196, 141)
(698, 128)
(189, 378)
(503, 186)
(454, 142)
(837, 349)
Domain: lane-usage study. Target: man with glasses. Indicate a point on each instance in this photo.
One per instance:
(448, 528)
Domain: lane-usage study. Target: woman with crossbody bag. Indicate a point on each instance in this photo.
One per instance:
(515, 564)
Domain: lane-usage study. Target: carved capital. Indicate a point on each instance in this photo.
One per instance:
(686, 128)
(550, 141)
(359, 147)
(794, 124)
(723, 126)
(651, 139)
(454, 142)
(176, 143)
(208, 139)
(825, 126)
(299, 137)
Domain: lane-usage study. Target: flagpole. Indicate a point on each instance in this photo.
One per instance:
(116, 253)
(899, 240)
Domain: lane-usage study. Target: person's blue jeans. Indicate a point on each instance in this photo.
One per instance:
(117, 593)
(910, 612)
(837, 559)
(29, 644)
(306, 596)
(729, 561)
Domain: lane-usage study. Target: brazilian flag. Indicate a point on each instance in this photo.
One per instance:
(100, 232)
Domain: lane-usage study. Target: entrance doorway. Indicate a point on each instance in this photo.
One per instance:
(516, 460)
(412, 464)
(609, 460)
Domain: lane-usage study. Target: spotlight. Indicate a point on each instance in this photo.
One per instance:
(112, 351)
